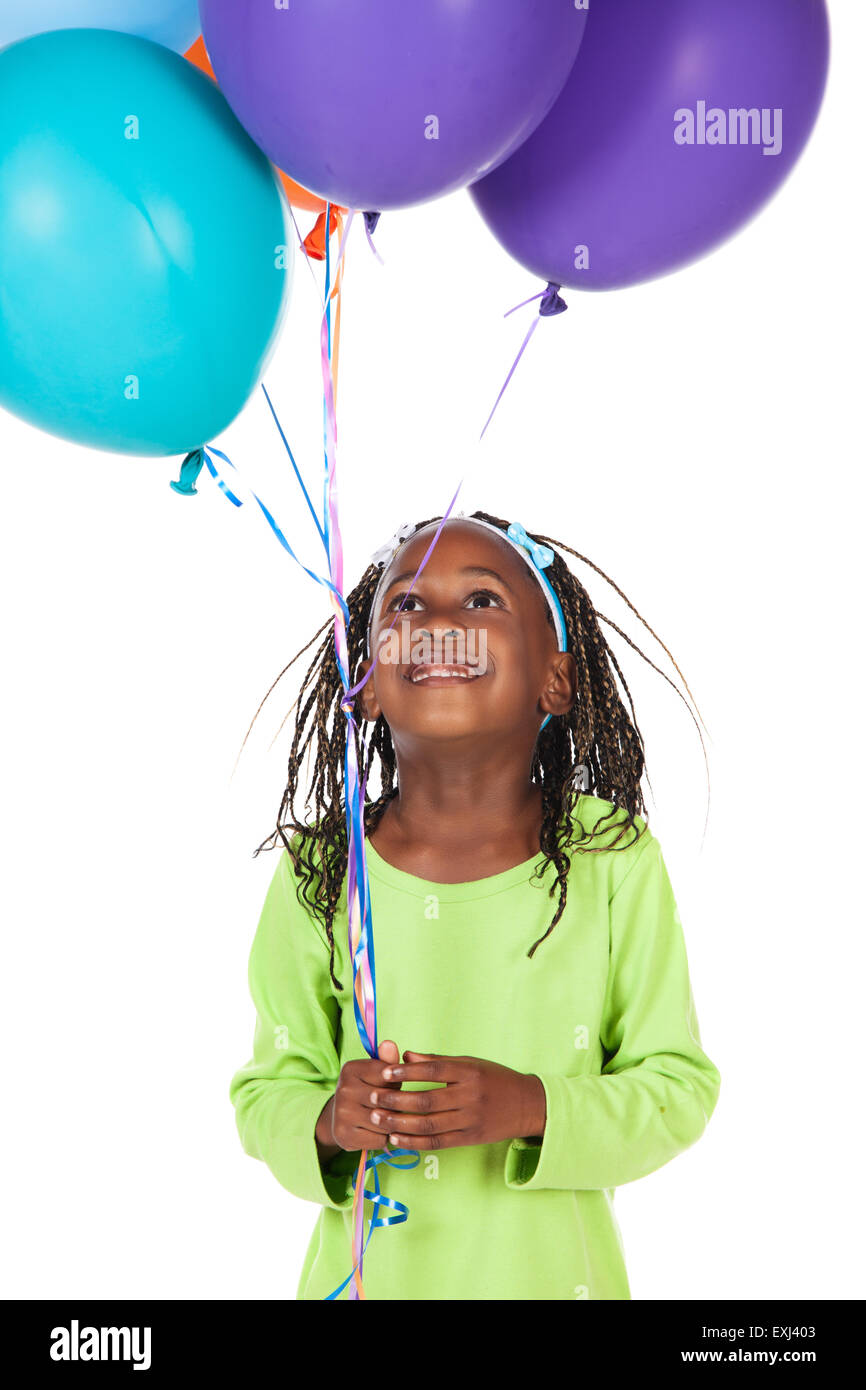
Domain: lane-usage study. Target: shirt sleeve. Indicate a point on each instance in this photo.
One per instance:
(657, 1088)
(280, 1093)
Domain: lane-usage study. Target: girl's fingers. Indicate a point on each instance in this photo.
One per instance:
(411, 1102)
(363, 1136)
(451, 1139)
(388, 1122)
(437, 1069)
(373, 1071)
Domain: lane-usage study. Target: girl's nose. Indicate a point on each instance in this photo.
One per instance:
(449, 632)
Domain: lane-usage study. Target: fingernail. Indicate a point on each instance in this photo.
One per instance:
(374, 1099)
(375, 1117)
(387, 1073)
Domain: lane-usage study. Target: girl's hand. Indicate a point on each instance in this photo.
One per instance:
(345, 1120)
(480, 1103)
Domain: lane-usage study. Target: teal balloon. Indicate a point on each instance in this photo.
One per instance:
(145, 265)
(172, 22)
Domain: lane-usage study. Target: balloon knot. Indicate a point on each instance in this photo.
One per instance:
(371, 220)
(189, 471)
(315, 243)
(552, 302)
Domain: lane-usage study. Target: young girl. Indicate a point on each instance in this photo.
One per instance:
(532, 981)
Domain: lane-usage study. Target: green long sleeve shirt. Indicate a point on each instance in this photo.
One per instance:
(603, 1014)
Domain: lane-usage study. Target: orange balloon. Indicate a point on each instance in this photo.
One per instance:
(298, 197)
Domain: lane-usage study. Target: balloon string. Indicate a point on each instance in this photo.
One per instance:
(329, 419)
(429, 551)
(306, 255)
(336, 598)
(552, 304)
(310, 506)
(369, 230)
(524, 346)
(358, 896)
(379, 1200)
(531, 300)
(337, 294)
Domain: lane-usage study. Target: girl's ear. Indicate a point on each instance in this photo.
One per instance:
(560, 689)
(369, 706)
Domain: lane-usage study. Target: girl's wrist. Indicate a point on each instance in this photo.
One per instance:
(534, 1110)
(325, 1143)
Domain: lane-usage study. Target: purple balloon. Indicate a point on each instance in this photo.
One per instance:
(679, 121)
(384, 103)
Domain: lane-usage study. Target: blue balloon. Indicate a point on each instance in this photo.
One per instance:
(145, 265)
(174, 23)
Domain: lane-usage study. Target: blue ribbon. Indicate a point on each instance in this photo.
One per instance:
(326, 583)
(380, 1200)
(365, 936)
(311, 508)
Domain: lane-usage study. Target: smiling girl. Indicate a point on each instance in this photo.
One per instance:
(530, 958)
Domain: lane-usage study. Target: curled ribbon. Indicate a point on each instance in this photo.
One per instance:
(380, 1200)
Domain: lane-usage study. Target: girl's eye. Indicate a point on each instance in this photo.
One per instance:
(485, 594)
(397, 600)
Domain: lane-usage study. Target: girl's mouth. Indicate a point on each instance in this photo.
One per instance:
(430, 673)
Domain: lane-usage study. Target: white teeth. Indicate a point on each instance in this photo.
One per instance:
(424, 672)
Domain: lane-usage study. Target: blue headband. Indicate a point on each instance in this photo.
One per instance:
(538, 557)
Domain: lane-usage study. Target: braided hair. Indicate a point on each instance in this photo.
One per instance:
(597, 735)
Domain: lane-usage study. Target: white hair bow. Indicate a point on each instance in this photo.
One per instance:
(384, 553)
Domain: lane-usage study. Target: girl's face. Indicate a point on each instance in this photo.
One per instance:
(473, 650)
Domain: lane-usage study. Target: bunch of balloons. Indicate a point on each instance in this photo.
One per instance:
(606, 141)
(145, 254)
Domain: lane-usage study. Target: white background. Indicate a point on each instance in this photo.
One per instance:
(701, 439)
